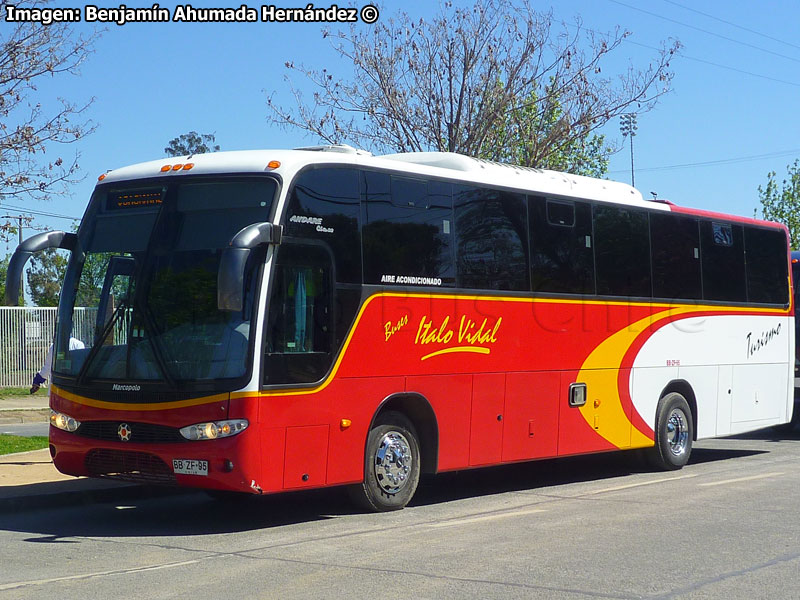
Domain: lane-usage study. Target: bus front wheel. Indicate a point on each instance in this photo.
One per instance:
(391, 465)
(674, 432)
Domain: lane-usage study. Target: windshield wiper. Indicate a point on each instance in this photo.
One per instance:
(155, 345)
(99, 339)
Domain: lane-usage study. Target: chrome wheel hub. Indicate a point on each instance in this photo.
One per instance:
(393, 462)
(677, 432)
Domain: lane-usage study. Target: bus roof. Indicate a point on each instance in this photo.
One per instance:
(446, 165)
(726, 217)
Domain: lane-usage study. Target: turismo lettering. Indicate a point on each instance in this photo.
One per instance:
(754, 345)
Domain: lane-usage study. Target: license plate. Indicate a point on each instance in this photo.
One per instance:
(190, 466)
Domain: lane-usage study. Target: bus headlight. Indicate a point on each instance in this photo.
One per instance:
(214, 429)
(63, 422)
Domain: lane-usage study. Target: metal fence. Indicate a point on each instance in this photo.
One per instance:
(25, 336)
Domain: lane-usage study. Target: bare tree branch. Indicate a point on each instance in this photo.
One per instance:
(497, 80)
(29, 130)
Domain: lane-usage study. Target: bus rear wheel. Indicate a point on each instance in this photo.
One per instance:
(674, 433)
(391, 465)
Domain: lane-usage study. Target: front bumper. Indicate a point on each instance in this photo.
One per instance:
(230, 465)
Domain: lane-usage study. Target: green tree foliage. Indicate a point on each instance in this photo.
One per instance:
(527, 136)
(497, 79)
(3, 274)
(90, 284)
(781, 202)
(192, 143)
(45, 277)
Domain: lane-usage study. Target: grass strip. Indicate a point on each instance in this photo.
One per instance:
(13, 392)
(9, 444)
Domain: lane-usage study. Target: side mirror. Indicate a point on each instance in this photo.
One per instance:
(36, 243)
(230, 278)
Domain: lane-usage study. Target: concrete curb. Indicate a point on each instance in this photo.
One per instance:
(29, 481)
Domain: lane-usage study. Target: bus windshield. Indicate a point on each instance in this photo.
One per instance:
(140, 297)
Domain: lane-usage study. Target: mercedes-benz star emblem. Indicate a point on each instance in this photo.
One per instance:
(124, 432)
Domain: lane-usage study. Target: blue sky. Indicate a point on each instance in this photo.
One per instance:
(730, 119)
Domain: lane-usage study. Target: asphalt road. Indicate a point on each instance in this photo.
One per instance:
(726, 526)
(25, 429)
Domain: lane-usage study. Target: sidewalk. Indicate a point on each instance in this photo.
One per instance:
(29, 480)
(34, 402)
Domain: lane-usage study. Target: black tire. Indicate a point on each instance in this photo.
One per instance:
(674, 433)
(391, 465)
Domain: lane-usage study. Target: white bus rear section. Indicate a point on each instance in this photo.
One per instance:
(738, 366)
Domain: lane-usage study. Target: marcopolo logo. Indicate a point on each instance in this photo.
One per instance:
(126, 388)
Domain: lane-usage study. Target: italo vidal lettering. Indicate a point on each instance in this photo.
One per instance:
(468, 331)
(437, 335)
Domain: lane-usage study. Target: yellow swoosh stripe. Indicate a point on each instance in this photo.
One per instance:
(600, 372)
(331, 376)
(475, 349)
(142, 406)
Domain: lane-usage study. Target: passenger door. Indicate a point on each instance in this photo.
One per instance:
(299, 336)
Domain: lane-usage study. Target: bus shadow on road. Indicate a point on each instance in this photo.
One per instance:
(159, 513)
(771, 434)
(539, 475)
(183, 513)
(706, 455)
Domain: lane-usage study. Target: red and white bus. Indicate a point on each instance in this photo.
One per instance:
(266, 321)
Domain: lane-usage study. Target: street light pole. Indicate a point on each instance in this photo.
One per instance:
(628, 128)
(22, 286)
(19, 233)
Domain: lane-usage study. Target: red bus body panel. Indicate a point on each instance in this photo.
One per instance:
(496, 371)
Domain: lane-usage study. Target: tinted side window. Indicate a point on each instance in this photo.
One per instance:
(622, 251)
(407, 231)
(765, 254)
(675, 243)
(722, 249)
(491, 239)
(561, 246)
(324, 205)
(299, 336)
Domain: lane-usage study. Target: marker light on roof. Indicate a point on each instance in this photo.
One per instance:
(177, 167)
(103, 176)
(273, 164)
